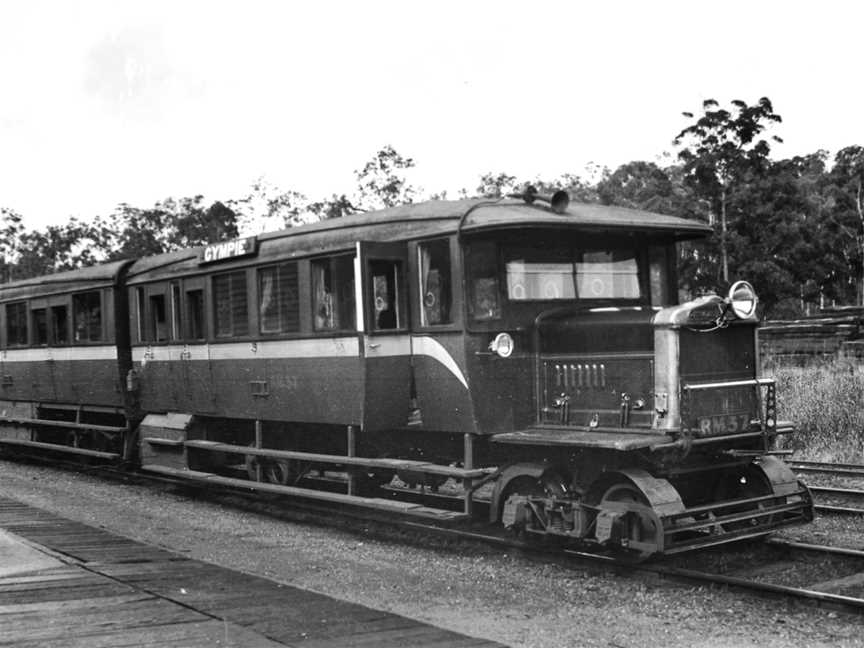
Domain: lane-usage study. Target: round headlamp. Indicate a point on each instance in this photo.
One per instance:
(502, 345)
(742, 298)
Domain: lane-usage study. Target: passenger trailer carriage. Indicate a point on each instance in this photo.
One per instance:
(513, 359)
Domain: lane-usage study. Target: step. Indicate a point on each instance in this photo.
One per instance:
(393, 506)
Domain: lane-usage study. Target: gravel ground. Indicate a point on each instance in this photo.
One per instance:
(477, 591)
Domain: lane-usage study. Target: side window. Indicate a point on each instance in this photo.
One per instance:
(278, 303)
(175, 311)
(484, 301)
(385, 294)
(658, 275)
(333, 294)
(59, 330)
(16, 324)
(195, 314)
(40, 326)
(435, 284)
(87, 316)
(157, 325)
(231, 304)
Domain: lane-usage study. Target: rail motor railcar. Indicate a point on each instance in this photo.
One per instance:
(524, 359)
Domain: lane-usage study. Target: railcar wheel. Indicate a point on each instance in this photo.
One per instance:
(549, 484)
(640, 528)
(281, 472)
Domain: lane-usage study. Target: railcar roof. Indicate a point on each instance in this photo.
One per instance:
(89, 278)
(415, 221)
(428, 220)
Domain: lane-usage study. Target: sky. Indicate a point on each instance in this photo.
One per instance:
(110, 102)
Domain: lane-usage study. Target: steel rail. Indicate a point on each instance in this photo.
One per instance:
(670, 572)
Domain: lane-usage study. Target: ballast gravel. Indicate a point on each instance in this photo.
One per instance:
(476, 590)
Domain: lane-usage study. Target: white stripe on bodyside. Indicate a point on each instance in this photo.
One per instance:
(388, 345)
(59, 354)
(341, 347)
(431, 348)
(344, 347)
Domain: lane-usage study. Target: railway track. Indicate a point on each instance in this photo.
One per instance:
(844, 471)
(673, 569)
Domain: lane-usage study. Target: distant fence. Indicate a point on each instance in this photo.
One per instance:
(826, 336)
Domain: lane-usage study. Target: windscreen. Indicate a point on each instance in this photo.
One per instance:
(564, 273)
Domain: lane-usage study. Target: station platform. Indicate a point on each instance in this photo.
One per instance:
(66, 584)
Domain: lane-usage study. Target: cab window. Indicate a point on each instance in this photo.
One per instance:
(435, 284)
(484, 299)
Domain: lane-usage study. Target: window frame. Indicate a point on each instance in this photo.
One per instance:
(88, 323)
(231, 275)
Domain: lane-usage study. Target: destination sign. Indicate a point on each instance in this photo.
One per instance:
(229, 250)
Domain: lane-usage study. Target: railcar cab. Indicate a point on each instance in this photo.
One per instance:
(579, 302)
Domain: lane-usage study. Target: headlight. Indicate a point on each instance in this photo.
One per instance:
(502, 345)
(742, 298)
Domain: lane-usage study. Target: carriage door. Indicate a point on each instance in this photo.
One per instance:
(383, 294)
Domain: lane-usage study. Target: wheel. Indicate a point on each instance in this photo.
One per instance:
(549, 484)
(641, 526)
(281, 472)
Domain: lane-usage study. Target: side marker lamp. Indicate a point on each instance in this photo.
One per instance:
(502, 345)
(742, 299)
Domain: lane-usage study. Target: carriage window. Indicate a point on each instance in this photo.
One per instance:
(87, 316)
(278, 303)
(59, 325)
(158, 329)
(16, 324)
(435, 282)
(229, 294)
(333, 294)
(385, 288)
(40, 326)
(484, 301)
(195, 314)
(175, 311)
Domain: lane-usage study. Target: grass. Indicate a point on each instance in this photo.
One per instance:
(825, 401)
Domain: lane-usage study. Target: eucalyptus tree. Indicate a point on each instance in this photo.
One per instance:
(721, 151)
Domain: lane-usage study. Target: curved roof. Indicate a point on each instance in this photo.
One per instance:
(89, 278)
(427, 220)
(419, 220)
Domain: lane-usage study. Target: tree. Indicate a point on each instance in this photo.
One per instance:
(266, 207)
(333, 207)
(496, 185)
(11, 229)
(641, 185)
(57, 248)
(382, 181)
(847, 205)
(171, 224)
(721, 151)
